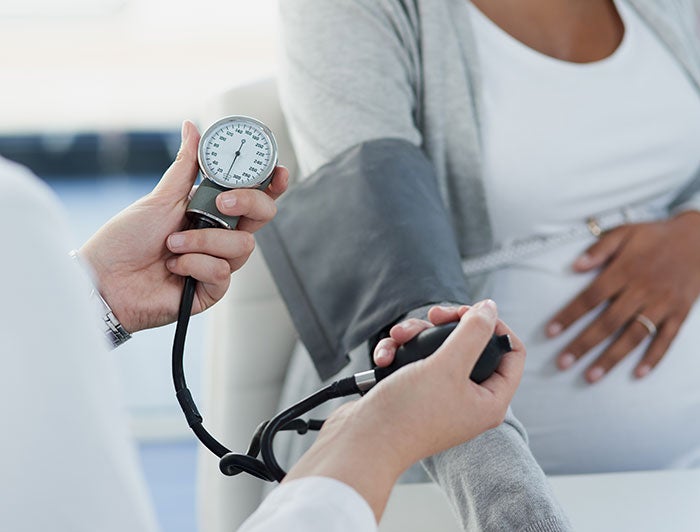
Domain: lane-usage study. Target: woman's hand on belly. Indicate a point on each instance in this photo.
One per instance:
(649, 280)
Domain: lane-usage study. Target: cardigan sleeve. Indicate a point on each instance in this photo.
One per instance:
(348, 74)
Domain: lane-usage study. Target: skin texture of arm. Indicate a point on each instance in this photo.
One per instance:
(141, 256)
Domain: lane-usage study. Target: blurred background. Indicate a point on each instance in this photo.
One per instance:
(93, 96)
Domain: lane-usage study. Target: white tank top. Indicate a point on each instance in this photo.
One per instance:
(563, 142)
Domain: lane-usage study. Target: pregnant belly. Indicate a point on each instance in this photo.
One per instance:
(620, 423)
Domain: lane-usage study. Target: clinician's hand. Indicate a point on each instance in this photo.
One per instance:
(141, 256)
(421, 409)
(650, 270)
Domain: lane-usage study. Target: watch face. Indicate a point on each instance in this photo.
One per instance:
(237, 152)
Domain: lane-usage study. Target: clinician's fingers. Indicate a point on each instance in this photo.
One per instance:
(204, 268)
(232, 246)
(384, 352)
(506, 378)
(516, 343)
(407, 329)
(400, 333)
(254, 207)
(440, 315)
(468, 340)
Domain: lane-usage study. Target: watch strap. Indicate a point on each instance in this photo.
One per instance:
(113, 329)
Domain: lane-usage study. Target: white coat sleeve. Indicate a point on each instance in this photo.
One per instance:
(66, 457)
(312, 504)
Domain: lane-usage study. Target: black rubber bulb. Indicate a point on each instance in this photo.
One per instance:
(429, 340)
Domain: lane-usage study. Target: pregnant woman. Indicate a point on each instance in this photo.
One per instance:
(565, 138)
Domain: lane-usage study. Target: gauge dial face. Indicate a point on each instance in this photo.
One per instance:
(238, 152)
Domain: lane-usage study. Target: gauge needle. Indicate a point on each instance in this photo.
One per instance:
(238, 153)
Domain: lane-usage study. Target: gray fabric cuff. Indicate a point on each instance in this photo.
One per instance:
(359, 244)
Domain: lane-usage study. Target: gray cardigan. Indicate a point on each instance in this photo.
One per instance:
(358, 70)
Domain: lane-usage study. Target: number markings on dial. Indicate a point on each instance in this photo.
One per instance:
(237, 154)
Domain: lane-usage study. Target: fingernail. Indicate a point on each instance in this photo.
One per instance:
(596, 373)
(583, 261)
(566, 361)
(554, 329)
(170, 263)
(405, 325)
(176, 241)
(487, 307)
(643, 371)
(382, 355)
(228, 200)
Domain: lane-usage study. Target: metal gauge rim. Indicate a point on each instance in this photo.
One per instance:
(233, 119)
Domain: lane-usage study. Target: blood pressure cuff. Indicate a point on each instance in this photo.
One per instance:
(360, 243)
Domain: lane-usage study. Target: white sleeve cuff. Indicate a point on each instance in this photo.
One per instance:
(312, 504)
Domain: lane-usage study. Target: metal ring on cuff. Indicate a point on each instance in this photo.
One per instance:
(641, 318)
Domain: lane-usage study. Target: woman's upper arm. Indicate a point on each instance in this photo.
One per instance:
(349, 74)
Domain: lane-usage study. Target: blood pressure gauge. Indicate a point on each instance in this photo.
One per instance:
(234, 152)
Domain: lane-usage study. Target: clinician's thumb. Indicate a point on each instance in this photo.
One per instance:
(464, 346)
(178, 180)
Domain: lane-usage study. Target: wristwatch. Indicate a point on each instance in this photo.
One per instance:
(113, 329)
